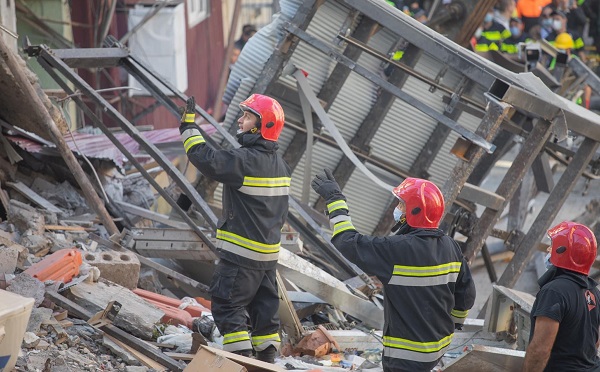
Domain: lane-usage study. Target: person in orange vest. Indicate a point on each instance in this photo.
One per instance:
(530, 10)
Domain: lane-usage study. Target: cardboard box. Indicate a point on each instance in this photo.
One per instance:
(209, 359)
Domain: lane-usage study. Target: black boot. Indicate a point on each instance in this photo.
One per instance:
(246, 353)
(267, 355)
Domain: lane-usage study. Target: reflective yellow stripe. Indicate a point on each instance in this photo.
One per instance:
(492, 35)
(235, 337)
(422, 347)
(579, 43)
(189, 118)
(450, 267)
(267, 182)
(505, 34)
(338, 204)
(482, 48)
(397, 55)
(509, 48)
(247, 243)
(459, 313)
(342, 226)
(193, 141)
(256, 340)
(493, 46)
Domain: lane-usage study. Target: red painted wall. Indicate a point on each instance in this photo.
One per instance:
(205, 54)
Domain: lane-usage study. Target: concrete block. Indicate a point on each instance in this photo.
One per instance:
(122, 268)
(136, 315)
(28, 286)
(25, 217)
(37, 317)
(8, 260)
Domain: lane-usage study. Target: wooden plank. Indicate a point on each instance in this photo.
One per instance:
(150, 215)
(5, 199)
(481, 196)
(68, 228)
(34, 197)
(144, 360)
(180, 356)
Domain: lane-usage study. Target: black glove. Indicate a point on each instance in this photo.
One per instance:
(325, 185)
(458, 326)
(188, 113)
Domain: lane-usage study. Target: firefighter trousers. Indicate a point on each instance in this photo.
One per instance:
(240, 294)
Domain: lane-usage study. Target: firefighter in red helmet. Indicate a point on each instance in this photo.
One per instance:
(565, 317)
(256, 182)
(427, 283)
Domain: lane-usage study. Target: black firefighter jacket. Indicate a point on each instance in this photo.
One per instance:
(256, 182)
(427, 284)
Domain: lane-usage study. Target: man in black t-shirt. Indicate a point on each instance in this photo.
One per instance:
(565, 316)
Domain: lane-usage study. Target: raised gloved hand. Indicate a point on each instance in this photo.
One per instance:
(325, 185)
(188, 115)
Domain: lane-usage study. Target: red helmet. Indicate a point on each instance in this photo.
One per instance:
(573, 247)
(424, 202)
(269, 112)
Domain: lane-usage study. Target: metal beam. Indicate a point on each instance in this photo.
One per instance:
(376, 79)
(91, 57)
(331, 88)
(49, 63)
(542, 173)
(548, 212)
(507, 187)
(581, 69)
(372, 121)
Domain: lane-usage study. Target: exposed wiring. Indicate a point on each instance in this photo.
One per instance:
(464, 343)
(78, 93)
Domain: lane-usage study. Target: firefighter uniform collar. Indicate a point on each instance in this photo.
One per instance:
(255, 140)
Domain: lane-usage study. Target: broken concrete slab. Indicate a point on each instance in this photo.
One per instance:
(30, 340)
(9, 258)
(38, 316)
(122, 268)
(149, 281)
(28, 286)
(38, 245)
(136, 315)
(25, 218)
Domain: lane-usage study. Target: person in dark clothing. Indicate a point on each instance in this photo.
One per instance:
(565, 317)
(575, 14)
(256, 182)
(427, 283)
(517, 36)
(490, 35)
(559, 26)
(591, 9)
(247, 32)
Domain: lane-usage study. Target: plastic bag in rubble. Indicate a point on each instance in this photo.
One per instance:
(205, 325)
(181, 337)
(188, 301)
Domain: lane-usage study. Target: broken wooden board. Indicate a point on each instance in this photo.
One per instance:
(488, 359)
(182, 244)
(34, 197)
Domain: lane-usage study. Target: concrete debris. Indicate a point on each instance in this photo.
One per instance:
(62, 194)
(28, 286)
(26, 218)
(149, 281)
(30, 340)
(136, 315)
(38, 316)
(38, 245)
(9, 257)
(122, 268)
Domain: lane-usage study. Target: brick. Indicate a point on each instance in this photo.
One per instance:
(60, 266)
(122, 268)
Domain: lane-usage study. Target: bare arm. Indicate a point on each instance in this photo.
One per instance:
(540, 346)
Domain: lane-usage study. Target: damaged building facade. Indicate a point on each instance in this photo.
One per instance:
(441, 112)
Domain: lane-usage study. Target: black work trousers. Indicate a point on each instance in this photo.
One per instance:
(239, 293)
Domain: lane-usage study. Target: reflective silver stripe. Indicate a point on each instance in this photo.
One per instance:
(193, 141)
(342, 226)
(413, 355)
(459, 316)
(244, 252)
(264, 191)
(423, 281)
(458, 320)
(190, 133)
(235, 337)
(262, 342)
(340, 218)
(247, 243)
(236, 346)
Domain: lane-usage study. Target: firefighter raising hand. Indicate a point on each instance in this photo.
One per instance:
(189, 112)
(325, 185)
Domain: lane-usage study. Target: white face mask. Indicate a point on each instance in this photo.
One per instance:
(397, 214)
(478, 33)
(557, 25)
(547, 262)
